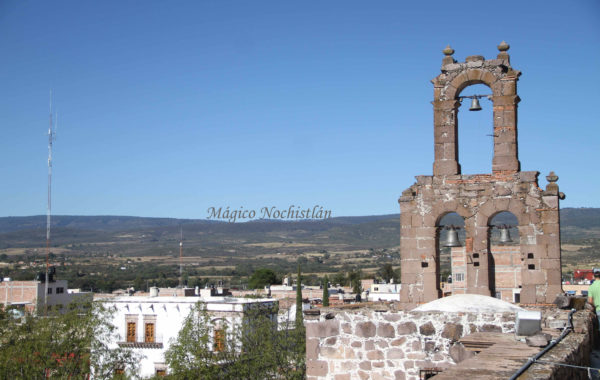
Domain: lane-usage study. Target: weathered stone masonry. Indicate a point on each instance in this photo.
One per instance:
(478, 198)
(396, 345)
(367, 344)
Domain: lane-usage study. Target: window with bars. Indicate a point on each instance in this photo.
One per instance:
(149, 333)
(131, 330)
(459, 277)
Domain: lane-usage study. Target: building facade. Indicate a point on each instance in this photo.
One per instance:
(29, 295)
(150, 324)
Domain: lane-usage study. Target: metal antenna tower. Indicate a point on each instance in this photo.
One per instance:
(51, 137)
(180, 256)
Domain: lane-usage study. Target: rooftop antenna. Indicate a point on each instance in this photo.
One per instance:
(51, 136)
(180, 256)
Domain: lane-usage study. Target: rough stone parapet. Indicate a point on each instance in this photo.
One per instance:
(364, 343)
(502, 361)
(397, 345)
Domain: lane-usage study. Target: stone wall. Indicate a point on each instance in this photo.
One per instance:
(367, 344)
(574, 349)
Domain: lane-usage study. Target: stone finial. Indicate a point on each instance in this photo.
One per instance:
(503, 47)
(552, 187)
(448, 51)
(448, 60)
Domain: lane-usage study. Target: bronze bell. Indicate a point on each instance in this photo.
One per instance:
(505, 235)
(475, 105)
(452, 237)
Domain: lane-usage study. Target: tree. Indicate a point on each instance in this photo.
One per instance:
(387, 273)
(255, 348)
(356, 286)
(138, 283)
(261, 278)
(339, 278)
(65, 345)
(325, 291)
(354, 276)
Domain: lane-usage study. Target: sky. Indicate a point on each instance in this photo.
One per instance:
(166, 109)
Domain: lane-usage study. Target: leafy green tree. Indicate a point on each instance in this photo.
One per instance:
(339, 278)
(138, 283)
(325, 291)
(261, 278)
(354, 277)
(387, 273)
(356, 286)
(254, 349)
(65, 345)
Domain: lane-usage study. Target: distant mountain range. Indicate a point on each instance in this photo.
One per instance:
(585, 218)
(124, 223)
(142, 233)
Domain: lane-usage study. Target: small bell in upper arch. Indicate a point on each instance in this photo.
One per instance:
(475, 105)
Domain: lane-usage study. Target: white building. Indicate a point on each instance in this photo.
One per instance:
(29, 295)
(384, 292)
(149, 324)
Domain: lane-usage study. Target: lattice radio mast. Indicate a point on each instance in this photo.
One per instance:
(51, 136)
(180, 256)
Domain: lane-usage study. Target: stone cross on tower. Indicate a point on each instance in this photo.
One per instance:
(478, 198)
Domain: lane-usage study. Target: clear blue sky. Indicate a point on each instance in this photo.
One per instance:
(168, 108)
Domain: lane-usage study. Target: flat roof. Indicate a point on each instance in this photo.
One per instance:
(188, 299)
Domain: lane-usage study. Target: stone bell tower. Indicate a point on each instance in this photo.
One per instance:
(478, 198)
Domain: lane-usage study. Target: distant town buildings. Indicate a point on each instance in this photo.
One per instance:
(29, 295)
(384, 292)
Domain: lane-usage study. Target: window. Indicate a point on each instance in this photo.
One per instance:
(49, 290)
(219, 343)
(131, 329)
(60, 290)
(459, 276)
(161, 372)
(149, 333)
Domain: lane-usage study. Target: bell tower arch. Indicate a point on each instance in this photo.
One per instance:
(478, 197)
(502, 79)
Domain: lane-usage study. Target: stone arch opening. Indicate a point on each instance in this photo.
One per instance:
(497, 222)
(505, 262)
(475, 131)
(450, 242)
